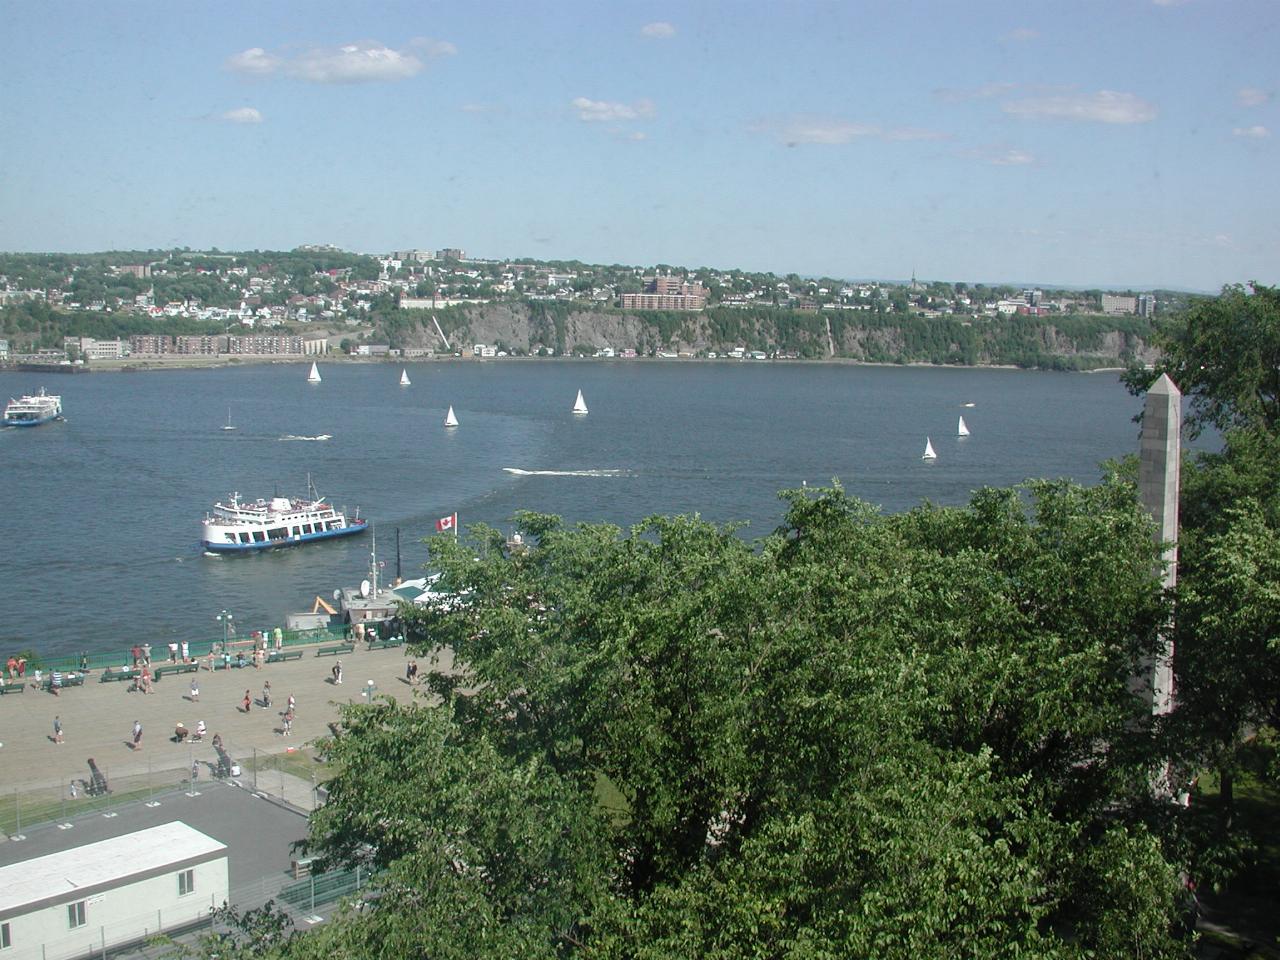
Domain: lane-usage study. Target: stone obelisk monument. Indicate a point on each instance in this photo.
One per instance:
(1160, 458)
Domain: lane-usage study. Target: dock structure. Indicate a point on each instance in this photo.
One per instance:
(1159, 466)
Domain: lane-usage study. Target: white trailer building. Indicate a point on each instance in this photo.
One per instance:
(89, 899)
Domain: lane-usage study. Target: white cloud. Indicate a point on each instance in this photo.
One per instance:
(595, 111)
(362, 62)
(1011, 158)
(803, 128)
(1023, 33)
(1253, 96)
(1168, 3)
(255, 61)
(659, 30)
(1105, 106)
(241, 115)
(1256, 132)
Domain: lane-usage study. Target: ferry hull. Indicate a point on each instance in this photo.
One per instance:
(30, 423)
(353, 527)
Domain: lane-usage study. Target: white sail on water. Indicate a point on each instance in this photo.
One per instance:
(404, 378)
(450, 420)
(928, 450)
(962, 430)
(580, 405)
(314, 375)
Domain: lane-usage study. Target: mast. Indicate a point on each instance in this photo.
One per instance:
(397, 553)
(373, 562)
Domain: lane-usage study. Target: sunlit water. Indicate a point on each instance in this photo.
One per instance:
(101, 513)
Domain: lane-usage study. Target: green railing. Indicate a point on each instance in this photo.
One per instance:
(160, 651)
(319, 889)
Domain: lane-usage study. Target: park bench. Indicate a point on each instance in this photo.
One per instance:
(68, 680)
(336, 649)
(277, 656)
(191, 667)
(387, 644)
(11, 687)
(123, 673)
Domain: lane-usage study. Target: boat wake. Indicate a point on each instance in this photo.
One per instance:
(566, 473)
(323, 436)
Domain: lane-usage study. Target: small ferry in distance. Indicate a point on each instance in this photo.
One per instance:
(33, 410)
(239, 526)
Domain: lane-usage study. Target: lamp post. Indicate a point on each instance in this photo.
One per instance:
(226, 620)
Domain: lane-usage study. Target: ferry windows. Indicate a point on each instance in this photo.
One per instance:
(259, 536)
(306, 528)
(279, 533)
(244, 538)
(231, 537)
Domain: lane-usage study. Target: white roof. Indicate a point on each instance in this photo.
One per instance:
(95, 864)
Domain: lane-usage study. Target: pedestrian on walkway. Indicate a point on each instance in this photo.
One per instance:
(288, 724)
(146, 653)
(248, 701)
(266, 695)
(146, 679)
(137, 735)
(291, 705)
(136, 652)
(55, 682)
(200, 729)
(337, 672)
(173, 651)
(57, 729)
(195, 690)
(186, 651)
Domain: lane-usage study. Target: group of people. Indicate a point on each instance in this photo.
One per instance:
(16, 667)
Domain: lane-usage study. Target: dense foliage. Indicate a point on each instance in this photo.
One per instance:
(894, 736)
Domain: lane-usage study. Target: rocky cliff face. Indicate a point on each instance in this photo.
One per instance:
(522, 328)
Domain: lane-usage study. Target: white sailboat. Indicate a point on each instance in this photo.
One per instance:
(404, 378)
(928, 450)
(580, 405)
(314, 375)
(450, 420)
(962, 430)
(230, 425)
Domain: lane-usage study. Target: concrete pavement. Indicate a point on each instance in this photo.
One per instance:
(97, 719)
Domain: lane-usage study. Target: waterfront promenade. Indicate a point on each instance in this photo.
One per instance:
(97, 719)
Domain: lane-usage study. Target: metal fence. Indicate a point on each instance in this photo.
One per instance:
(196, 650)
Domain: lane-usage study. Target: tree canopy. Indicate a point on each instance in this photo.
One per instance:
(896, 736)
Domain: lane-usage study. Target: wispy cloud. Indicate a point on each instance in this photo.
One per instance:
(365, 61)
(241, 115)
(806, 128)
(658, 30)
(1253, 96)
(1169, 3)
(1104, 106)
(1256, 132)
(984, 92)
(602, 111)
(1011, 157)
(1022, 34)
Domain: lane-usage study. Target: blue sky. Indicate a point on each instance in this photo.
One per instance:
(1116, 143)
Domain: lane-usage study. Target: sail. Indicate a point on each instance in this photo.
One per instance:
(928, 450)
(580, 405)
(230, 425)
(962, 430)
(450, 420)
(404, 378)
(314, 375)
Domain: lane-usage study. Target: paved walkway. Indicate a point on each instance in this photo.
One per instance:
(97, 719)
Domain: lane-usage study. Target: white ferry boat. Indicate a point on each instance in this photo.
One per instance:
(239, 526)
(32, 410)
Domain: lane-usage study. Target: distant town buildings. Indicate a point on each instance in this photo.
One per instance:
(1147, 305)
(158, 345)
(1116, 305)
(666, 293)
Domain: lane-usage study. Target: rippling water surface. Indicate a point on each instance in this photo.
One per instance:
(101, 513)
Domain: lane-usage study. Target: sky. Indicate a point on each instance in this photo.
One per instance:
(1118, 143)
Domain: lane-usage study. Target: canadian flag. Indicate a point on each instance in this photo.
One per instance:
(447, 523)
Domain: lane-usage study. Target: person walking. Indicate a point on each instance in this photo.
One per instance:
(55, 682)
(57, 729)
(173, 651)
(146, 653)
(200, 729)
(248, 701)
(146, 679)
(291, 705)
(337, 672)
(195, 690)
(186, 652)
(137, 654)
(266, 695)
(137, 735)
(287, 731)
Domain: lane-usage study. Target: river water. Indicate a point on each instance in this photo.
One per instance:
(101, 513)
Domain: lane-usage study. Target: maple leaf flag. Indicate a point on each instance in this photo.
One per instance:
(447, 523)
